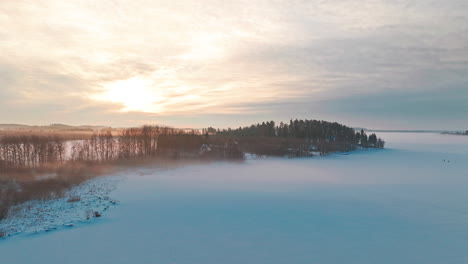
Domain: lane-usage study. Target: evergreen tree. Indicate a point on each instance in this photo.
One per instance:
(372, 140)
(363, 138)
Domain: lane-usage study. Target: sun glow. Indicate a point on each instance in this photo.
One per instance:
(135, 94)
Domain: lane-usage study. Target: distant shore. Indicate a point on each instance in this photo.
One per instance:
(456, 133)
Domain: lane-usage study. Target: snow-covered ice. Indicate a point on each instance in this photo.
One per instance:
(405, 204)
(75, 207)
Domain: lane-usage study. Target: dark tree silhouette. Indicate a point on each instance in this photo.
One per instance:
(300, 137)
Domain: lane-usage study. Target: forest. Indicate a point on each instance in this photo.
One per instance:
(296, 138)
(299, 138)
(457, 133)
(41, 166)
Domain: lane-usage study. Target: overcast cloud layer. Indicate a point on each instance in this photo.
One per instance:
(378, 64)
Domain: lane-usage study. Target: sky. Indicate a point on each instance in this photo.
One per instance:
(382, 64)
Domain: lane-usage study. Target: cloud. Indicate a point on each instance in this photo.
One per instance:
(262, 59)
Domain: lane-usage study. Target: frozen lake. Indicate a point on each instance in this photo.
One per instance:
(405, 204)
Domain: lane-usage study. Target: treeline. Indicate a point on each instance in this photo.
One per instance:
(18, 152)
(457, 133)
(299, 137)
(146, 141)
(372, 141)
(313, 130)
(31, 151)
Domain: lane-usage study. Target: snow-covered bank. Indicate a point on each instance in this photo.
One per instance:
(405, 204)
(79, 204)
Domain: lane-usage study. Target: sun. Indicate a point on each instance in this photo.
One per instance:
(135, 94)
